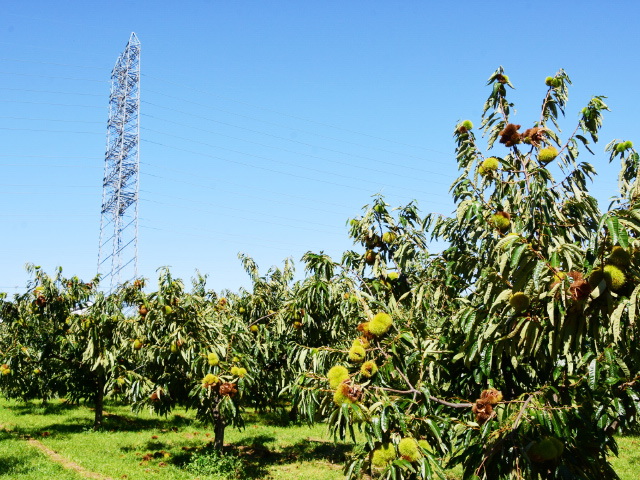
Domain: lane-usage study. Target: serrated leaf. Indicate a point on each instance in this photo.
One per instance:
(485, 359)
(623, 367)
(377, 429)
(538, 271)
(593, 373)
(500, 299)
(615, 320)
(517, 253)
(506, 242)
(633, 305)
(384, 419)
(613, 226)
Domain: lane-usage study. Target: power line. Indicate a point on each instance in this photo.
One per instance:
(223, 148)
(50, 120)
(276, 161)
(46, 215)
(40, 186)
(30, 165)
(48, 156)
(49, 63)
(54, 77)
(251, 130)
(166, 178)
(46, 165)
(288, 115)
(40, 47)
(85, 132)
(220, 235)
(352, 187)
(275, 125)
(256, 143)
(30, 219)
(239, 210)
(241, 139)
(49, 193)
(51, 20)
(49, 131)
(33, 90)
(305, 207)
(297, 205)
(302, 143)
(251, 118)
(251, 220)
(248, 141)
(226, 181)
(55, 104)
(173, 179)
(216, 239)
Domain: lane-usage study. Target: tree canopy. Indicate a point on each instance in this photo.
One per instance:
(512, 352)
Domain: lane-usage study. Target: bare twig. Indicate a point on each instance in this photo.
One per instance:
(521, 412)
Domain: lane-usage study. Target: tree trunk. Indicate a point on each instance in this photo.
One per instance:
(97, 423)
(218, 428)
(293, 413)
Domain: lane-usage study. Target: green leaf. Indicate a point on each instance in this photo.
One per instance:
(506, 242)
(538, 271)
(517, 252)
(618, 232)
(434, 428)
(400, 417)
(633, 305)
(485, 359)
(384, 419)
(593, 374)
(377, 430)
(602, 286)
(615, 320)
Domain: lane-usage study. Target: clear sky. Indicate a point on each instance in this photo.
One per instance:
(266, 125)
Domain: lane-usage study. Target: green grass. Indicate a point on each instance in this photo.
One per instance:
(267, 449)
(20, 461)
(627, 463)
(135, 445)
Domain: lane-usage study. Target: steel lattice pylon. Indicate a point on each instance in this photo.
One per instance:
(121, 164)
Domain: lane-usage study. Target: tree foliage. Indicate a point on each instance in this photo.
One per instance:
(512, 352)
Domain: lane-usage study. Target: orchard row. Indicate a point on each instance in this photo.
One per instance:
(512, 352)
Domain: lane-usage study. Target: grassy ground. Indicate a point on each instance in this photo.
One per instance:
(135, 446)
(20, 461)
(627, 463)
(145, 446)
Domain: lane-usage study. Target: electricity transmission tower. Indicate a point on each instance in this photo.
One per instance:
(120, 186)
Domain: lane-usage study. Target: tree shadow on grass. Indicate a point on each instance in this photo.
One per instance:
(9, 463)
(12, 464)
(280, 417)
(310, 450)
(258, 459)
(127, 423)
(53, 408)
(73, 427)
(111, 423)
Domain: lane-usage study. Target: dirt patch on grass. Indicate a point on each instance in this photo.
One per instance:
(66, 463)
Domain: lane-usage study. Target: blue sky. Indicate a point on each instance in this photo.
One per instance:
(277, 120)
